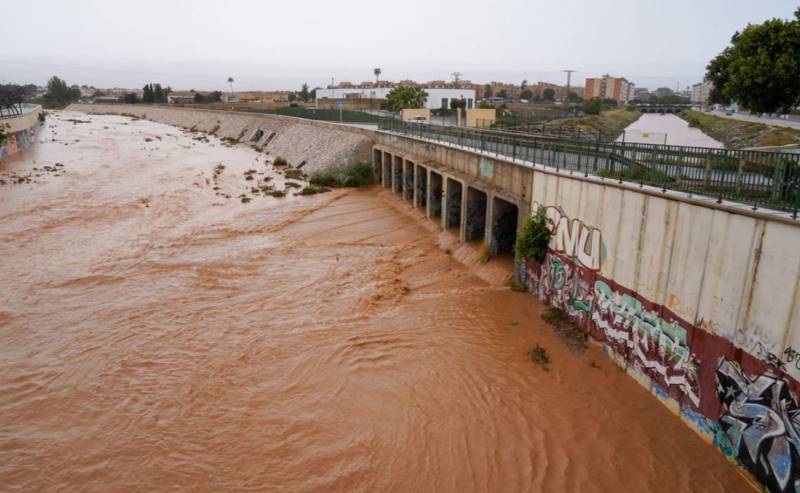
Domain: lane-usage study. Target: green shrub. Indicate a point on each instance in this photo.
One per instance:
(279, 161)
(349, 175)
(534, 238)
(294, 174)
(313, 190)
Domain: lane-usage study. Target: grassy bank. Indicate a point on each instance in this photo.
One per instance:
(735, 134)
(610, 124)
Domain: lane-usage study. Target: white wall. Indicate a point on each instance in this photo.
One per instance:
(434, 95)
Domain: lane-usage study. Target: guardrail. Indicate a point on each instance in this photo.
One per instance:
(756, 178)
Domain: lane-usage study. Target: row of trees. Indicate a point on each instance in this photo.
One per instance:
(153, 93)
(760, 69)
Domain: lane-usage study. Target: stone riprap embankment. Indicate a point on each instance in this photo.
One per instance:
(309, 143)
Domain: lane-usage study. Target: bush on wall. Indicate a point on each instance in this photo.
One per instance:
(534, 239)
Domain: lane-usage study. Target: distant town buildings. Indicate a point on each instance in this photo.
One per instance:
(701, 92)
(608, 87)
(437, 97)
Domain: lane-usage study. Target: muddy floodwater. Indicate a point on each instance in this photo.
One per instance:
(157, 333)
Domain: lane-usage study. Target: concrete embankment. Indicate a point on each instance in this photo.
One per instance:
(698, 301)
(316, 144)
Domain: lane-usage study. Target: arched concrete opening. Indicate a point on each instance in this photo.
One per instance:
(475, 227)
(397, 175)
(387, 170)
(422, 187)
(408, 180)
(257, 135)
(435, 195)
(453, 204)
(505, 217)
(377, 164)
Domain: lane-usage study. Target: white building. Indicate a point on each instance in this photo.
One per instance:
(437, 98)
(701, 92)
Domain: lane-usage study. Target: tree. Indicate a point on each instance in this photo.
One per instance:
(526, 94)
(487, 91)
(377, 73)
(523, 85)
(59, 93)
(304, 94)
(147, 93)
(158, 94)
(230, 81)
(502, 94)
(760, 69)
(403, 98)
(593, 106)
(549, 94)
(13, 95)
(458, 103)
(292, 97)
(130, 98)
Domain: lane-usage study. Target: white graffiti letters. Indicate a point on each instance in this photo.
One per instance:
(574, 239)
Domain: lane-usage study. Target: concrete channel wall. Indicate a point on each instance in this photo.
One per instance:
(20, 131)
(317, 144)
(699, 302)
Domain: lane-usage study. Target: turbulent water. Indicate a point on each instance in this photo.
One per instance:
(157, 335)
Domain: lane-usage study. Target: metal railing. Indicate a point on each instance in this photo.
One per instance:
(757, 178)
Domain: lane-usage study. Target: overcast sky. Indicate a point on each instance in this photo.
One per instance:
(278, 45)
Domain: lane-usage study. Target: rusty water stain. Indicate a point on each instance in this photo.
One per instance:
(157, 336)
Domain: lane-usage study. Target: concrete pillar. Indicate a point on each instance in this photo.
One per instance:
(445, 198)
(414, 184)
(429, 193)
(462, 230)
(488, 235)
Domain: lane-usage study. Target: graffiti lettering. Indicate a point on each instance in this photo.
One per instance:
(761, 420)
(658, 346)
(792, 356)
(769, 357)
(561, 282)
(709, 326)
(574, 239)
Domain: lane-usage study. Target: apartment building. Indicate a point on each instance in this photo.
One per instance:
(617, 88)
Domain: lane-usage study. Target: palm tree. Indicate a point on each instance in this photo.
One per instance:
(377, 73)
(230, 81)
(421, 96)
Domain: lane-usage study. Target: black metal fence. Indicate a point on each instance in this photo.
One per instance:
(757, 178)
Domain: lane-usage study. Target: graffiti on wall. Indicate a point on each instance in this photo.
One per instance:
(657, 346)
(761, 420)
(574, 239)
(751, 416)
(566, 286)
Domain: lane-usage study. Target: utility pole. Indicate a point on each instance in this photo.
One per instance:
(331, 87)
(569, 79)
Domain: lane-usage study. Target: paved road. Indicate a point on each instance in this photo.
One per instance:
(778, 122)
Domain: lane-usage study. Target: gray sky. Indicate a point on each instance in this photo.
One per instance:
(279, 45)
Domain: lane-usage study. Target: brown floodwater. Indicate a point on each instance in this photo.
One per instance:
(156, 335)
